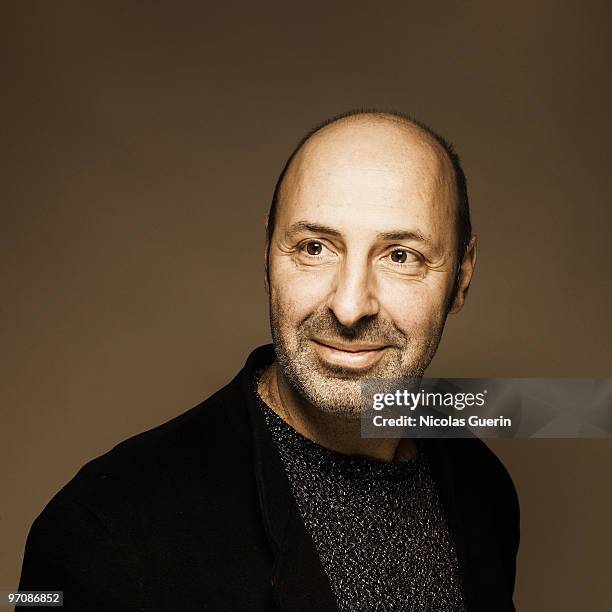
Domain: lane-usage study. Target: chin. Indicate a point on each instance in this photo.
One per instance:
(330, 394)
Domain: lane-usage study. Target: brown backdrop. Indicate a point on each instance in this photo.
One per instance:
(141, 144)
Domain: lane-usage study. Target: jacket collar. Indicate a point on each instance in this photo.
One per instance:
(298, 579)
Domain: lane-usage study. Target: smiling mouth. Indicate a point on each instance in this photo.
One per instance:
(351, 347)
(357, 356)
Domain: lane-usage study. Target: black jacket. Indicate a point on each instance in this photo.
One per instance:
(197, 514)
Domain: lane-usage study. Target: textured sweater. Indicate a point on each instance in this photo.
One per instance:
(378, 527)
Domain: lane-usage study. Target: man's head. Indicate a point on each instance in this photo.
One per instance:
(368, 251)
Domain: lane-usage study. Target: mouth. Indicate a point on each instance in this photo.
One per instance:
(349, 355)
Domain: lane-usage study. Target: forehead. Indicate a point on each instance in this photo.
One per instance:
(371, 174)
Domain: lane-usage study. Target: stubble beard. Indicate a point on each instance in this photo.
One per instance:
(335, 390)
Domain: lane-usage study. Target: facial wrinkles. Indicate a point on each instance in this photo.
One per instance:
(324, 326)
(319, 187)
(402, 175)
(335, 389)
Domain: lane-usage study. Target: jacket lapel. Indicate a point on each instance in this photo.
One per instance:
(469, 525)
(298, 579)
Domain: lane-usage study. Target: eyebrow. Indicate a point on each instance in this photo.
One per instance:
(403, 235)
(316, 228)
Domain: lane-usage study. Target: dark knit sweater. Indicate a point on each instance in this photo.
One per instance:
(378, 526)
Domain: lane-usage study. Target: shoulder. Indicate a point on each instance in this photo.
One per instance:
(480, 482)
(479, 463)
(159, 490)
(478, 471)
(153, 468)
(474, 453)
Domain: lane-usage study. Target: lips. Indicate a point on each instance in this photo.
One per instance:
(351, 347)
(354, 356)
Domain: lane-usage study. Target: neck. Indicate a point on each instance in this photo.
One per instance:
(336, 432)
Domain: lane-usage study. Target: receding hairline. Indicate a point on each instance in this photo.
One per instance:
(463, 224)
(443, 148)
(422, 136)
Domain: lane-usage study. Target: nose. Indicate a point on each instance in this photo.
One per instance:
(353, 296)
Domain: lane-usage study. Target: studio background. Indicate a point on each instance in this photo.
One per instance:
(141, 145)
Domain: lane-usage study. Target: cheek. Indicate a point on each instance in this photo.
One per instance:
(414, 306)
(297, 294)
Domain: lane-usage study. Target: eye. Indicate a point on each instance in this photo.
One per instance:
(402, 256)
(315, 253)
(313, 248)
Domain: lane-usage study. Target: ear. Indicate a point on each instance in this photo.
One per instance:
(465, 276)
(266, 267)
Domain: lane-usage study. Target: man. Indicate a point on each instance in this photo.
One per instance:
(265, 496)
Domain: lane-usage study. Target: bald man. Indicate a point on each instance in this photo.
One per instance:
(266, 496)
